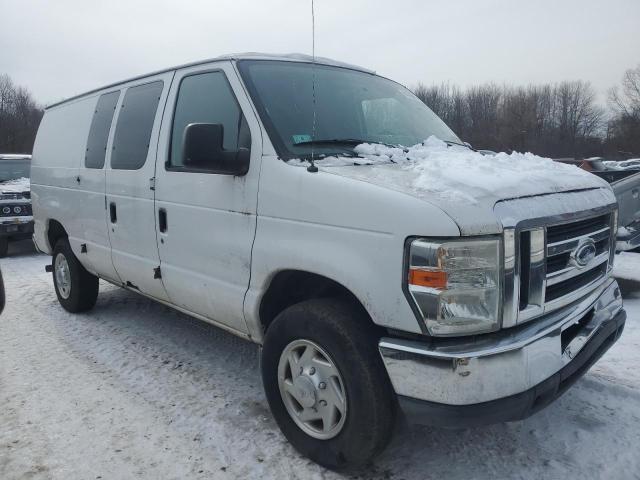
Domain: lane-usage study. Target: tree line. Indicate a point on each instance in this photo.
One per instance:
(555, 120)
(19, 117)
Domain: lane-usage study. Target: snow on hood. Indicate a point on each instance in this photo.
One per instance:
(18, 185)
(462, 182)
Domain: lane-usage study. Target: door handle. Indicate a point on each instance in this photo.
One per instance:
(112, 212)
(162, 220)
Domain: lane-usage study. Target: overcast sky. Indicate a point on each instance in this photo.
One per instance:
(58, 48)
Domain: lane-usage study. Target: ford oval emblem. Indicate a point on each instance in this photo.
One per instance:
(584, 252)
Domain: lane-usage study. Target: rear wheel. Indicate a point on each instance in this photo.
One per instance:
(326, 384)
(76, 288)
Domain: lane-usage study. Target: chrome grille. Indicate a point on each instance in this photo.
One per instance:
(566, 274)
(556, 264)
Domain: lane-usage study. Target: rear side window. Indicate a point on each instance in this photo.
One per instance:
(208, 98)
(135, 122)
(99, 131)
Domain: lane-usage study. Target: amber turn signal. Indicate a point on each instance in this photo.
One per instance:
(428, 278)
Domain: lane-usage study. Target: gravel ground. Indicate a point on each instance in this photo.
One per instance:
(135, 390)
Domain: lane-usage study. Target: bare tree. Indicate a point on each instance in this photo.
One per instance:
(627, 101)
(483, 104)
(556, 120)
(19, 118)
(623, 133)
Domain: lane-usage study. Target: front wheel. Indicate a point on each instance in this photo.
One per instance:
(326, 384)
(76, 288)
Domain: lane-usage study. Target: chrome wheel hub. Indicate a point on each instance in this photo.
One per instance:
(63, 276)
(305, 391)
(312, 389)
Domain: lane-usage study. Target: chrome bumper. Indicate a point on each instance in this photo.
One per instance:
(468, 371)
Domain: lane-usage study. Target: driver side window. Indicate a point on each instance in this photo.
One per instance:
(207, 98)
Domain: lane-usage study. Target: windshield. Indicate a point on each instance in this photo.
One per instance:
(351, 107)
(13, 169)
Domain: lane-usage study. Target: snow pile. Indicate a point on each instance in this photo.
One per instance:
(457, 172)
(631, 164)
(16, 186)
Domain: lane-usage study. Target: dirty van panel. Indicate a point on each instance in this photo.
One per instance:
(208, 215)
(131, 164)
(92, 175)
(58, 154)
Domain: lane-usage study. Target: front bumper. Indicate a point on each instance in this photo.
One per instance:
(17, 227)
(504, 376)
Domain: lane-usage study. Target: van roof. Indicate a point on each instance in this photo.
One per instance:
(291, 57)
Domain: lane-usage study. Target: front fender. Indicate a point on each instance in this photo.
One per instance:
(349, 231)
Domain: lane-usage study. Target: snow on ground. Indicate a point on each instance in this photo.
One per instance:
(136, 390)
(627, 266)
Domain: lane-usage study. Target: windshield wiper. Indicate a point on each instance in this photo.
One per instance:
(342, 141)
(451, 142)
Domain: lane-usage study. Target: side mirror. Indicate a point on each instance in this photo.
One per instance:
(203, 150)
(202, 144)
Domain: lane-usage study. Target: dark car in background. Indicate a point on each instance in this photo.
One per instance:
(16, 217)
(624, 177)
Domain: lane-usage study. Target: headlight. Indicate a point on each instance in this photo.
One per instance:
(17, 209)
(456, 284)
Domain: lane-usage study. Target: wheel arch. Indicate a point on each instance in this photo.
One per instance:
(288, 287)
(55, 231)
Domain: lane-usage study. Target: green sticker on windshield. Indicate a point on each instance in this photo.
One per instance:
(301, 138)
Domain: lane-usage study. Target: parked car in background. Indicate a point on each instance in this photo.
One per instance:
(630, 164)
(16, 218)
(327, 214)
(624, 177)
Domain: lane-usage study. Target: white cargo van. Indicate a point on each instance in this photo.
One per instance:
(324, 212)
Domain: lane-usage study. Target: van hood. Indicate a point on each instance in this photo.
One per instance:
(463, 183)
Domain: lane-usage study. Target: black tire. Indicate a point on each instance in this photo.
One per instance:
(83, 291)
(345, 332)
(4, 246)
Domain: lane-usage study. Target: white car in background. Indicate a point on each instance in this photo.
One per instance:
(16, 218)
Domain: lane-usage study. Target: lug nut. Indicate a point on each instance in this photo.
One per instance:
(300, 370)
(323, 403)
(322, 386)
(312, 371)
